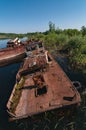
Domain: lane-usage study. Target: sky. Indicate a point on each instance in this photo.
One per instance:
(23, 16)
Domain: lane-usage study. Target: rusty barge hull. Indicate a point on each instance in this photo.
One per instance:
(43, 89)
(12, 55)
(12, 59)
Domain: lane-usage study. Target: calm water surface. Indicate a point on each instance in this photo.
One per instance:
(7, 81)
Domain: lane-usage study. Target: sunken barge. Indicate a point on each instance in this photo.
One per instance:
(41, 85)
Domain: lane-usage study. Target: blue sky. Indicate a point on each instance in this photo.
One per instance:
(22, 16)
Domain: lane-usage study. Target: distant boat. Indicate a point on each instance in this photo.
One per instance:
(15, 51)
(41, 86)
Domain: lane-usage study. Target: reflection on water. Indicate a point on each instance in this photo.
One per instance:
(7, 80)
(3, 43)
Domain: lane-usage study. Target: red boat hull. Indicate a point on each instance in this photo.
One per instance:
(11, 55)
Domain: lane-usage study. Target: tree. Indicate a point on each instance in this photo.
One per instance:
(51, 26)
(83, 30)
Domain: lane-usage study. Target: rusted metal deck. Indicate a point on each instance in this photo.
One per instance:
(45, 88)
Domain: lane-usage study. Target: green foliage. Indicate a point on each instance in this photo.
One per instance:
(83, 30)
(58, 31)
(61, 40)
(50, 40)
(51, 26)
(74, 44)
(11, 35)
(76, 49)
(55, 41)
(71, 32)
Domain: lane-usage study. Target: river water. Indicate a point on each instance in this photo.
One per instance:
(7, 81)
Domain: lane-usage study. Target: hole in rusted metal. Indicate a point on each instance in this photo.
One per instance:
(41, 91)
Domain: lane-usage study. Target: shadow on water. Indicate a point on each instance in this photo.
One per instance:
(7, 81)
(73, 75)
